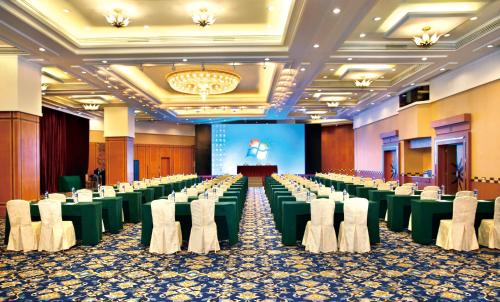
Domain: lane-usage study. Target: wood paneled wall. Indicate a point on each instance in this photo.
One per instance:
(337, 148)
(119, 159)
(97, 157)
(19, 157)
(181, 159)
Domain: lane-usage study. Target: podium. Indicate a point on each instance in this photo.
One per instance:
(257, 171)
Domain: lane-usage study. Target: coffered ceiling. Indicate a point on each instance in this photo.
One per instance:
(296, 59)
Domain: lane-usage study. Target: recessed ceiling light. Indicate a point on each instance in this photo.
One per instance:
(424, 59)
(394, 69)
(294, 84)
(324, 77)
(109, 86)
(184, 60)
(336, 11)
(104, 61)
(446, 35)
(490, 46)
(332, 69)
(358, 110)
(41, 49)
(302, 69)
(319, 90)
(316, 45)
(306, 98)
(442, 69)
(372, 103)
(270, 8)
(362, 35)
(412, 84)
(371, 90)
(146, 26)
(377, 18)
(388, 95)
(266, 59)
(473, 18)
(349, 59)
(66, 10)
(84, 72)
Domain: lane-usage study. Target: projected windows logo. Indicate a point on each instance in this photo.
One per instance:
(257, 149)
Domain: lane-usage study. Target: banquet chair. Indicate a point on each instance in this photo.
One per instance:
(302, 196)
(57, 196)
(319, 235)
(137, 184)
(426, 195)
(408, 184)
(166, 237)
(383, 186)
(192, 192)
(181, 197)
(109, 191)
(338, 196)
(55, 234)
(369, 184)
(125, 187)
(84, 195)
(458, 233)
(489, 230)
(24, 233)
(464, 194)
(324, 192)
(203, 237)
(357, 181)
(353, 231)
(431, 188)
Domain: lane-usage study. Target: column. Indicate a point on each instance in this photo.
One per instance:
(119, 132)
(20, 111)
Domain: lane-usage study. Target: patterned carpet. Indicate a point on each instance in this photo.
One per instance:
(259, 268)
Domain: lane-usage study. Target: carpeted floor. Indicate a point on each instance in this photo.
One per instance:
(258, 268)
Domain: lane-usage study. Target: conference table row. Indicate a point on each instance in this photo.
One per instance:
(88, 217)
(426, 214)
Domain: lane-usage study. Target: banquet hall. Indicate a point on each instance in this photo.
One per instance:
(249, 150)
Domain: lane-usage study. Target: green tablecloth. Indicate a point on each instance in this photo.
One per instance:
(363, 192)
(296, 214)
(66, 183)
(111, 212)
(131, 203)
(158, 191)
(426, 215)
(225, 218)
(399, 209)
(351, 188)
(381, 198)
(148, 194)
(86, 218)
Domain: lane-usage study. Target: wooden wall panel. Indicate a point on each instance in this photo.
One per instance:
(149, 156)
(97, 156)
(119, 159)
(337, 148)
(19, 157)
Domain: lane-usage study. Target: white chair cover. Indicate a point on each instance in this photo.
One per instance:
(324, 191)
(192, 192)
(319, 235)
(369, 184)
(403, 190)
(109, 191)
(489, 230)
(84, 195)
(125, 187)
(181, 197)
(24, 233)
(302, 196)
(459, 233)
(383, 186)
(166, 237)
(211, 195)
(55, 234)
(408, 184)
(431, 188)
(464, 193)
(353, 231)
(57, 196)
(338, 196)
(203, 237)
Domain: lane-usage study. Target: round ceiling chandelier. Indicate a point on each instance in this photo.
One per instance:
(117, 19)
(363, 83)
(203, 18)
(426, 40)
(203, 82)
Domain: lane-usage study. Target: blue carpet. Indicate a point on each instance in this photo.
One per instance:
(258, 268)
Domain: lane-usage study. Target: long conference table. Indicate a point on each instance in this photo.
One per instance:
(228, 211)
(291, 216)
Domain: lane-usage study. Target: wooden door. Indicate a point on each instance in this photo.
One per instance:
(165, 166)
(448, 168)
(390, 165)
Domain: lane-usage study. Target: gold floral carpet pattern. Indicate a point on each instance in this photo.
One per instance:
(259, 268)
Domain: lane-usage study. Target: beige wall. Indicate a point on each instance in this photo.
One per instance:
(481, 102)
(148, 139)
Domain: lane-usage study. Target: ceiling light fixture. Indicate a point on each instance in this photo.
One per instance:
(376, 19)
(490, 46)
(184, 60)
(203, 18)
(349, 59)
(66, 10)
(316, 45)
(315, 117)
(362, 35)
(424, 59)
(363, 83)
(203, 82)
(91, 107)
(426, 40)
(41, 49)
(336, 11)
(446, 35)
(332, 104)
(266, 59)
(473, 18)
(117, 19)
(303, 69)
(442, 69)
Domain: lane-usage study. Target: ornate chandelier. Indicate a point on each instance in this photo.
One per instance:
(117, 19)
(91, 107)
(426, 40)
(363, 83)
(203, 18)
(315, 117)
(203, 82)
(332, 104)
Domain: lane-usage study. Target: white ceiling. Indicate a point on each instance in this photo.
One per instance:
(368, 38)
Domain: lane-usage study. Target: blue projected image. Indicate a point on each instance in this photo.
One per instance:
(258, 144)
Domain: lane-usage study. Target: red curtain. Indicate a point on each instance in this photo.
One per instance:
(64, 147)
